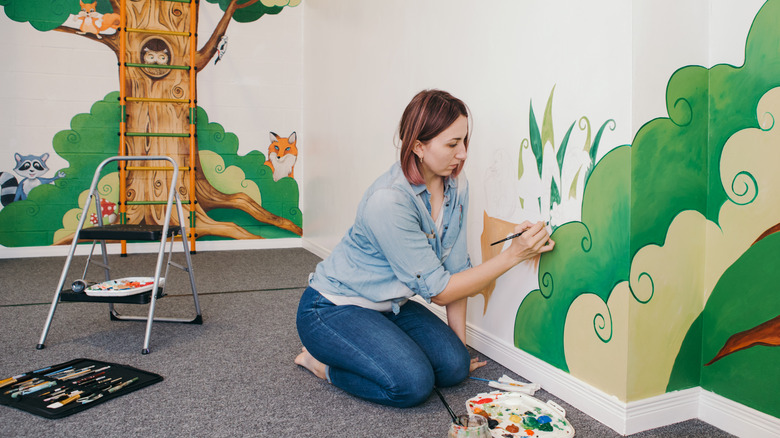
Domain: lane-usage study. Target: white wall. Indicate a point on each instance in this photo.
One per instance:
(257, 86)
(46, 79)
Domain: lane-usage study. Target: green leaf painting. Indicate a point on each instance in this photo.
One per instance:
(564, 196)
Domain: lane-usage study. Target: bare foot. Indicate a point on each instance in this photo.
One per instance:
(306, 360)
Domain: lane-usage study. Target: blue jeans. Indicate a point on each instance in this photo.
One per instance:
(382, 357)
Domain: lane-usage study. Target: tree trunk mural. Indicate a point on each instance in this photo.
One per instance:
(767, 334)
(168, 43)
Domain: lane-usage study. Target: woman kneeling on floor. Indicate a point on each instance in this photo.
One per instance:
(358, 327)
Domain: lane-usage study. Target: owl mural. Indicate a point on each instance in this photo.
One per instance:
(159, 57)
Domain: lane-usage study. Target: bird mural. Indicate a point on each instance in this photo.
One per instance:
(221, 48)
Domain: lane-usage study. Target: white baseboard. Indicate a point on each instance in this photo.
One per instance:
(625, 418)
(736, 418)
(661, 410)
(315, 249)
(150, 247)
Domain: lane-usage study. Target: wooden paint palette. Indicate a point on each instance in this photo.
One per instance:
(520, 415)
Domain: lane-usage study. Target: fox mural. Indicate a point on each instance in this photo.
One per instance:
(282, 155)
(94, 22)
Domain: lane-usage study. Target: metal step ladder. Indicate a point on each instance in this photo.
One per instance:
(99, 234)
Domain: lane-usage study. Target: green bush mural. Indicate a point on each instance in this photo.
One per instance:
(91, 139)
(38, 221)
(664, 254)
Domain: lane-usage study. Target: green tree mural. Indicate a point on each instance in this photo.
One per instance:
(219, 214)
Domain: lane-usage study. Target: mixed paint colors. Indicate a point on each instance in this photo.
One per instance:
(123, 287)
(513, 415)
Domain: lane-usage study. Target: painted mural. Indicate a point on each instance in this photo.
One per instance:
(667, 279)
(550, 180)
(237, 197)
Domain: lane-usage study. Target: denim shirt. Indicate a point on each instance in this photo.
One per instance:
(393, 250)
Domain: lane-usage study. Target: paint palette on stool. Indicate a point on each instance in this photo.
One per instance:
(123, 287)
(60, 390)
(520, 415)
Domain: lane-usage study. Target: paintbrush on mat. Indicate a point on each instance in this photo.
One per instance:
(505, 383)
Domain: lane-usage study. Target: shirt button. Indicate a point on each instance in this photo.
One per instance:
(418, 275)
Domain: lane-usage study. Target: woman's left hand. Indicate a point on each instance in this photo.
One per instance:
(475, 363)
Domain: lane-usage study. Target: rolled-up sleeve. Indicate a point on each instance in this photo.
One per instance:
(393, 225)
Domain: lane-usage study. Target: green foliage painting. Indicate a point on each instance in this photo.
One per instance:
(92, 138)
(669, 274)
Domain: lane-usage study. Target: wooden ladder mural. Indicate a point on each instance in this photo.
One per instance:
(157, 82)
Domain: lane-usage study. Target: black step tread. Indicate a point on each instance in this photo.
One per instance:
(139, 298)
(127, 232)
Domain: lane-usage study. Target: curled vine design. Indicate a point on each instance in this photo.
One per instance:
(106, 189)
(744, 187)
(611, 124)
(73, 137)
(767, 116)
(32, 208)
(525, 144)
(546, 284)
(681, 111)
(587, 241)
(600, 324)
(582, 127)
(639, 280)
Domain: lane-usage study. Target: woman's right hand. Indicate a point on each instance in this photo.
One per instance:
(534, 241)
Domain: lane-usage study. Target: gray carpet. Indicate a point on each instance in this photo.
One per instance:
(233, 376)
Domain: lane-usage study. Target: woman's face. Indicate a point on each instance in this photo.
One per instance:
(441, 155)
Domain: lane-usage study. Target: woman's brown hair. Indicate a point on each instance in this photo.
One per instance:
(428, 114)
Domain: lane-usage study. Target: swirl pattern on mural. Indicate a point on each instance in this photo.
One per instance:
(600, 324)
(635, 286)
